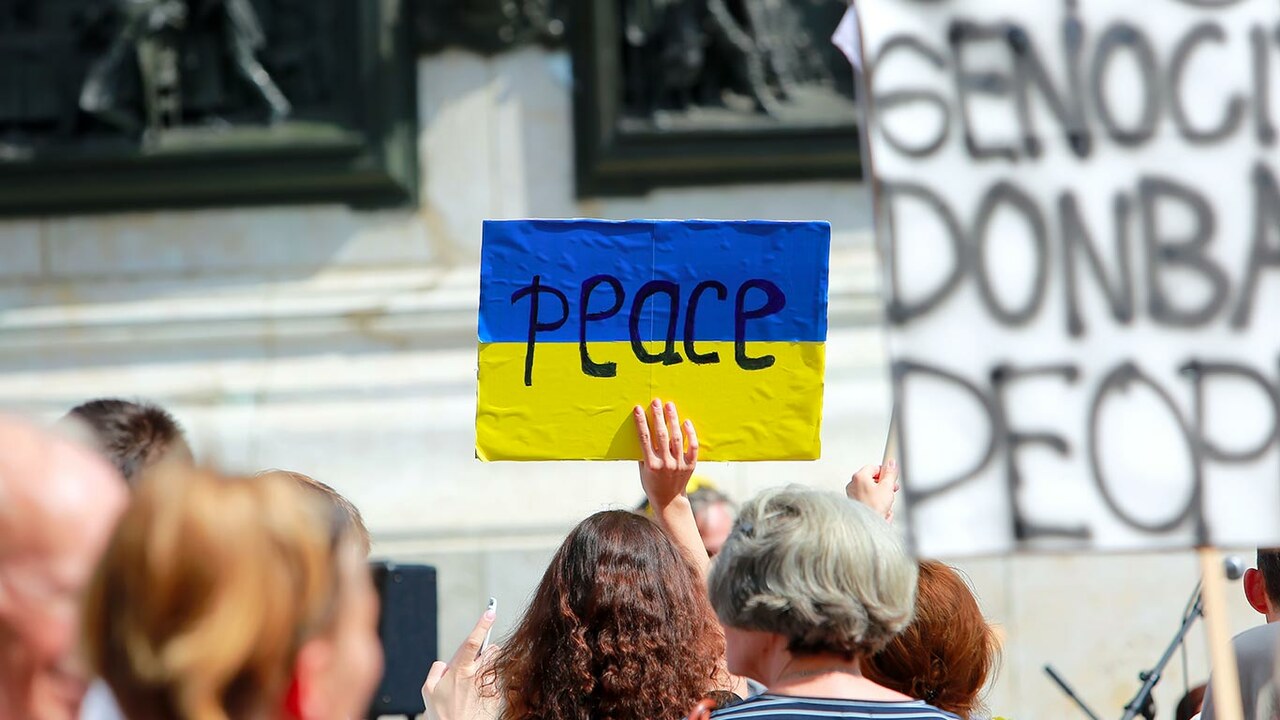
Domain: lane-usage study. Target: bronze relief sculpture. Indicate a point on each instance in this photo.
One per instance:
(119, 104)
(704, 91)
(152, 35)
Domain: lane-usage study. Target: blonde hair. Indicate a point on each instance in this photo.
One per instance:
(821, 570)
(207, 591)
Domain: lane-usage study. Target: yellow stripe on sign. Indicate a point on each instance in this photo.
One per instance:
(769, 414)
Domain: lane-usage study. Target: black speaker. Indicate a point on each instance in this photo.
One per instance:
(408, 628)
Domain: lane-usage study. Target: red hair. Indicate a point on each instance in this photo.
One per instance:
(620, 628)
(946, 654)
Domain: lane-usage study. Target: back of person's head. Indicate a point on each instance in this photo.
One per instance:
(1262, 584)
(58, 504)
(705, 497)
(223, 597)
(133, 435)
(326, 494)
(619, 627)
(1269, 566)
(820, 570)
(946, 654)
(1191, 703)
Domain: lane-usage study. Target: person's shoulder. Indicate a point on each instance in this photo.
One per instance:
(783, 707)
(1264, 631)
(1257, 641)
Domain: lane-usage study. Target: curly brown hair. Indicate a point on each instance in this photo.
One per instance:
(620, 628)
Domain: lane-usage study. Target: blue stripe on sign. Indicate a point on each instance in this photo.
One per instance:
(723, 258)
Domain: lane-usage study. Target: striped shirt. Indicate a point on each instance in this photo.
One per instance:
(782, 707)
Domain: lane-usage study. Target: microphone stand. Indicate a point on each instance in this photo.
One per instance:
(1142, 704)
(1149, 678)
(1070, 693)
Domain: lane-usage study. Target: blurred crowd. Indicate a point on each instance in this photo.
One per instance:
(136, 583)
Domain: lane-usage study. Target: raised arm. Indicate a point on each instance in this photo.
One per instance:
(669, 452)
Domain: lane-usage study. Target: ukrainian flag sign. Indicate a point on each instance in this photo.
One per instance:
(582, 320)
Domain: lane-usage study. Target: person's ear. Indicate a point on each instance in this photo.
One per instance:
(1255, 591)
(306, 699)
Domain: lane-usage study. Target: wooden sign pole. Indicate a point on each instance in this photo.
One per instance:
(1226, 676)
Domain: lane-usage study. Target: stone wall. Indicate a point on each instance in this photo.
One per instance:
(342, 344)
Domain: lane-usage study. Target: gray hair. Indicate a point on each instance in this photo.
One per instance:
(705, 497)
(821, 570)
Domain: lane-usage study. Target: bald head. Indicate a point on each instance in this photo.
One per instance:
(58, 504)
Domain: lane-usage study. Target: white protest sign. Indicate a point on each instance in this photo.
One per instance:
(1078, 213)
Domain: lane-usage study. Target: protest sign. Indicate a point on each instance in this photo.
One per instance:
(1079, 223)
(582, 320)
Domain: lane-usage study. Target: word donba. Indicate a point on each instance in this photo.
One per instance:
(1077, 207)
(581, 320)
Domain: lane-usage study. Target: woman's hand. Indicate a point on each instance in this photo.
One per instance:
(665, 470)
(875, 486)
(666, 464)
(453, 691)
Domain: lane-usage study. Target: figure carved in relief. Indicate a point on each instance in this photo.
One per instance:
(151, 34)
(681, 53)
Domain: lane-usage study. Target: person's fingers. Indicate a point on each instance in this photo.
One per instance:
(889, 473)
(642, 430)
(464, 660)
(661, 444)
(866, 474)
(691, 454)
(676, 443)
(437, 671)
